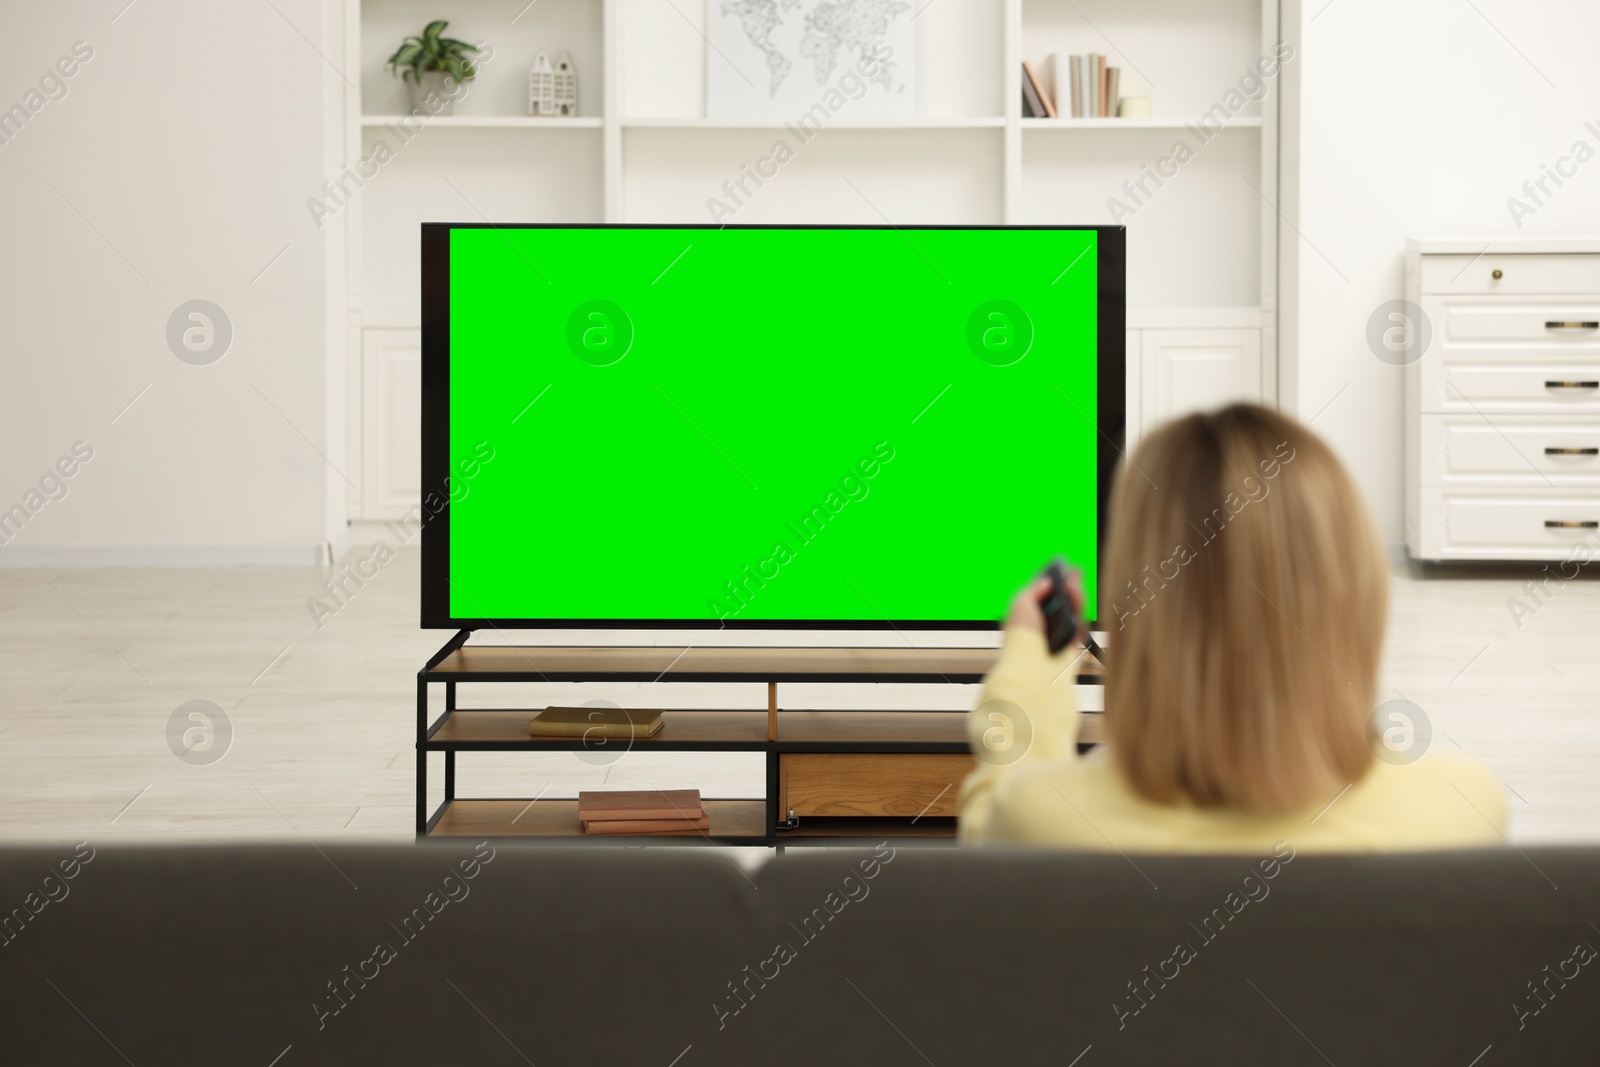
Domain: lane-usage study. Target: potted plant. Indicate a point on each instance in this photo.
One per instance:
(432, 63)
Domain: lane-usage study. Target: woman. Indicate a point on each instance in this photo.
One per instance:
(1244, 593)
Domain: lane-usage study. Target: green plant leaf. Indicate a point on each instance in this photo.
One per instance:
(406, 59)
(430, 51)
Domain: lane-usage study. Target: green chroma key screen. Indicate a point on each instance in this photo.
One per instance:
(752, 426)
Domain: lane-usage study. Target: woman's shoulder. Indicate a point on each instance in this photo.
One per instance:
(1440, 788)
(1441, 801)
(1074, 802)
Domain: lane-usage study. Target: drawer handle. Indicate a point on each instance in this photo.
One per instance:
(1571, 524)
(1572, 451)
(1572, 385)
(1572, 325)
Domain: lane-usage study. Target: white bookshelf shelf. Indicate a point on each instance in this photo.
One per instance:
(485, 121)
(918, 123)
(1129, 124)
(980, 122)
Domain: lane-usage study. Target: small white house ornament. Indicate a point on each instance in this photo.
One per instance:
(541, 87)
(566, 87)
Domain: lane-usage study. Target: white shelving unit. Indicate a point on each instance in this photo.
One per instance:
(1243, 122)
(488, 121)
(974, 123)
(1202, 266)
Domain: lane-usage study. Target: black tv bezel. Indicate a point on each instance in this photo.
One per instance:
(1111, 414)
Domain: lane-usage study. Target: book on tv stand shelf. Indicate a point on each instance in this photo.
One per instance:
(595, 722)
(631, 805)
(654, 827)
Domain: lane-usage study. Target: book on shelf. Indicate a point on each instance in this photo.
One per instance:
(654, 827)
(1093, 88)
(1072, 72)
(1032, 106)
(633, 805)
(595, 722)
(1040, 90)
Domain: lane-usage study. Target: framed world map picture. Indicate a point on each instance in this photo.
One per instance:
(811, 61)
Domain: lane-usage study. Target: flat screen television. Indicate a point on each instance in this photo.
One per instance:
(853, 427)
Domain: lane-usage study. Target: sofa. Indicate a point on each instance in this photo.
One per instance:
(493, 953)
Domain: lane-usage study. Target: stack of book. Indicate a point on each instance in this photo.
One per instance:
(1085, 82)
(595, 724)
(656, 812)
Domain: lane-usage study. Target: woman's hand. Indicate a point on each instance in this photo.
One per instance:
(1026, 613)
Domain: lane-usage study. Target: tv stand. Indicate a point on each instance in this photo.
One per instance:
(830, 775)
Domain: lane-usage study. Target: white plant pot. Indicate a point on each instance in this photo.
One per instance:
(436, 83)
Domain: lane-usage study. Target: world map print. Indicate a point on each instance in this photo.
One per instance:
(778, 57)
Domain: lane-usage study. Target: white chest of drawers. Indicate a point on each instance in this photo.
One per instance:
(1502, 435)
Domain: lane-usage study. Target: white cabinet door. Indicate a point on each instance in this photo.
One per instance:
(1196, 370)
(391, 422)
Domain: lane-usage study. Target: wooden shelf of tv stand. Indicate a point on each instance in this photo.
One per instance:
(732, 821)
(468, 729)
(925, 829)
(515, 663)
(493, 729)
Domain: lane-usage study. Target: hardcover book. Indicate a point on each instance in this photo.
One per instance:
(1032, 104)
(1074, 72)
(1039, 89)
(647, 826)
(632, 804)
(595, 722)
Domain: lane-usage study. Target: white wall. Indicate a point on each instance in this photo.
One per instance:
(176, 167)
(1417, 118)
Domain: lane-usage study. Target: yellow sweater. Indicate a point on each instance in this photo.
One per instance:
(1049, 795)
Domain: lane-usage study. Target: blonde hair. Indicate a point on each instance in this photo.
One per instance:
(1245, 591)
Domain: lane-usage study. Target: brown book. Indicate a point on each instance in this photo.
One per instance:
(595, 722)
(1100, 85)
(635, 804)
(1038, 87)
(1113, 91)
(647, 826)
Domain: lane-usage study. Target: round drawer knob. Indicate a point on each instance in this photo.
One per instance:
(1496, 274)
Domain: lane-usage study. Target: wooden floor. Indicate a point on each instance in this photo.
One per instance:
(96, 662)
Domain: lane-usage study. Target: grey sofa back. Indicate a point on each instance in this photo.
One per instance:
(494, 954)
